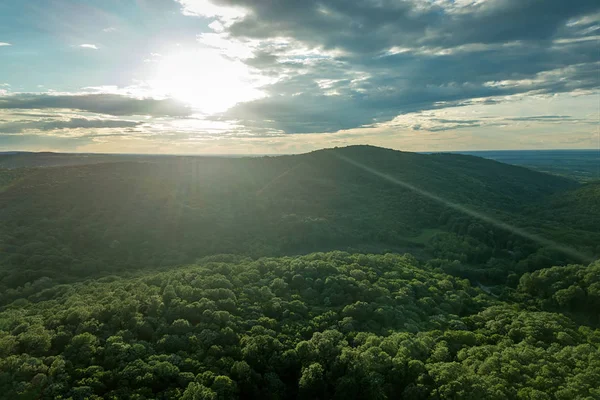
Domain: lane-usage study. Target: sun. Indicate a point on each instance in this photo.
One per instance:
(206, 80)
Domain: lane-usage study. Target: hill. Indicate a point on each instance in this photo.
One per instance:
(112, 285)
(578, 208)
(77, 221)
(18, 159)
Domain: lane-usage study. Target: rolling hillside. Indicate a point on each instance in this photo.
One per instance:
(77, 220)
(18, 159)
(579, 208)
(114, 282)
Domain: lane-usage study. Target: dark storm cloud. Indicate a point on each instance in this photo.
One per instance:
(73, 123)
(490, 63)
(366, 26)
(386, 95)
(111, 104)
(499, 21)
(406, 56)
(262, 59)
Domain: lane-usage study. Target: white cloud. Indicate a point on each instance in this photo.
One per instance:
(216, 26)
(154, 58)
(5, 44)
(534, 113)
(138, 90)
(109, 29)
(88, 46)
(585, 20)
(227, 46)
(206, 8)
(4, 88)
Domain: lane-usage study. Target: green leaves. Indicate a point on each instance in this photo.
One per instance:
(312, 383)
(196, 391)
(322, 326)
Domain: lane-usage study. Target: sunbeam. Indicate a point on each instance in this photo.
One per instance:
(476, 214)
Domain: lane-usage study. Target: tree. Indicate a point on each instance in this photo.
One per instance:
(197, 391)
(312, 382)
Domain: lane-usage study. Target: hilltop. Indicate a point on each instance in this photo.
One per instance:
(78, 220)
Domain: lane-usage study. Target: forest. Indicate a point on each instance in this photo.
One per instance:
(347, 273)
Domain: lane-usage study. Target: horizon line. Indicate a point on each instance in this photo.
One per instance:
(9, 152)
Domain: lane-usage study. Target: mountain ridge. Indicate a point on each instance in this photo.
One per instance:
(103, 217)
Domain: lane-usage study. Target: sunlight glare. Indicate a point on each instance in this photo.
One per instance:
(205, 79)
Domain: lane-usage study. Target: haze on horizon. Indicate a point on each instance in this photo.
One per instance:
(254, 77)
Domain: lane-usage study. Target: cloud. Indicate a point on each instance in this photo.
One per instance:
(57, 124)
(366, 26)
(2, 44)
(110, 104)
(513, 113)
(340, 65)
(88, 46)
(37, 142)
(208, 8)
(299, 105)
(543, 118)
(447, 73)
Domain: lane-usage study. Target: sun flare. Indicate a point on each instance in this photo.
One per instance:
(205, 79)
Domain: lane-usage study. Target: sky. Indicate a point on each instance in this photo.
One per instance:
(289, 76)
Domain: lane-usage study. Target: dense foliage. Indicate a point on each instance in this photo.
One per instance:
(71, 222)
(321, 326)
(574, 289)
(578, 208)
(113, 282)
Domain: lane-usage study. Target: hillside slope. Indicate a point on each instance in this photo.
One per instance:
(13, 160)
(578, 208)
(85, 219)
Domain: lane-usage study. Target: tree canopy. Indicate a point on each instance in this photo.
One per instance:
(296, 277)
(326, 325)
